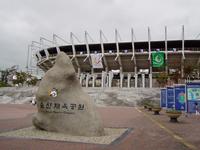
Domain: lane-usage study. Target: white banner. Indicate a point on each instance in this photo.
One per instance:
(96, 61)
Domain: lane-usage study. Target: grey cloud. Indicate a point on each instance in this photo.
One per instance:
(22, 21)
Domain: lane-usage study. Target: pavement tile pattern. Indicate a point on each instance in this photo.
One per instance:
(146, 133)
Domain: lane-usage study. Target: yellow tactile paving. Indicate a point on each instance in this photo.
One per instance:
(170, 132)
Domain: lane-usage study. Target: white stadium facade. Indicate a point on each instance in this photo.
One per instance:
(119, 64)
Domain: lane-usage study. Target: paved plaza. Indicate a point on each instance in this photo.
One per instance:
(147, 132)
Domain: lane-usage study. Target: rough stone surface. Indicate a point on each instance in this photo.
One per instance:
(15, 95)
(102, 96)
(123, 96)
(72, 111)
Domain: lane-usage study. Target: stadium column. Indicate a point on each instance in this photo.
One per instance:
(183, 53)
(74, 51)
(88, 52)
(150, 77)
(79, 72)
(56, 44)
(102, 50)
(143, 80)
(133, 59)
(87, 79)
(110, 75)
(94, 76)
(33, 46)
(198, 63)
(46, 54)
(129, 79)
(43, 46)
(136, 77)
(121, 79)
(182, 68)
(150, 69)
(103, 79)
(118, 54)
(166, 52)
(81, 78)
(55, 37)
(27, 60)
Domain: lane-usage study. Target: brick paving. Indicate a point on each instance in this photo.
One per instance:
(187, 126)
(146, 135)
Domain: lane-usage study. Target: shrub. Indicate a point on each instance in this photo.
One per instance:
(3, 84)
(173, 111)
(162, 78)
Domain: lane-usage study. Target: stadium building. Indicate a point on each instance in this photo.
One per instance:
(121, 64)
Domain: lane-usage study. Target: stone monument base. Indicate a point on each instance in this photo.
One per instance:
(111, 135)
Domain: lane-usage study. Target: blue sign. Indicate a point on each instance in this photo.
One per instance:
(193, 97)
(180, 97)
(170, 97)
(163, 98)
(192, 106)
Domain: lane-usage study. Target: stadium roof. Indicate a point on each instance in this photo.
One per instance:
(126, 45)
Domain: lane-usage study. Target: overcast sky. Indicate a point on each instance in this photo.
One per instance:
(22, 21)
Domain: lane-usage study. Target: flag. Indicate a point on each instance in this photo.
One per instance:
(158, 59)
(96, 61)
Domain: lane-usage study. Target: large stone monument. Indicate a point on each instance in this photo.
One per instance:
(62, 104)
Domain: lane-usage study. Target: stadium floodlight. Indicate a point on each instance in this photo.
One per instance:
(125, 51)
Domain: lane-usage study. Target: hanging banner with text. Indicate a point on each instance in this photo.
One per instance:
(158, 59)
(193, 96)
(180, 97)
(163, 99)
(170, 97)
(96, 61)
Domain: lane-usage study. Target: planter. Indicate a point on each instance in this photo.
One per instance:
(173, 115)
(149, 108)
(145, 106)
(156, 110)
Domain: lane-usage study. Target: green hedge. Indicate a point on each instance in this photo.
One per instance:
(2, 84)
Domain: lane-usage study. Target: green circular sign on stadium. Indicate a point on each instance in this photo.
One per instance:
(158, 59)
